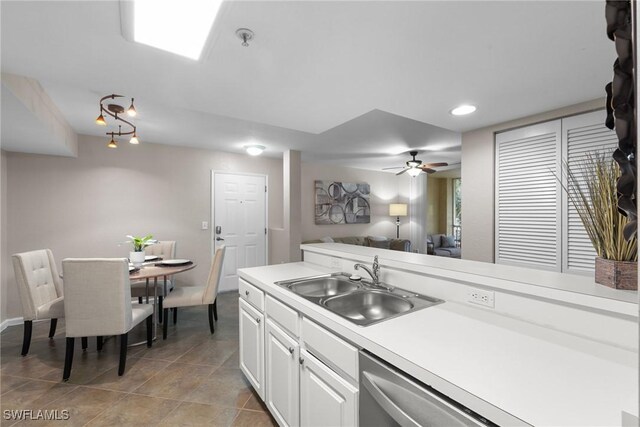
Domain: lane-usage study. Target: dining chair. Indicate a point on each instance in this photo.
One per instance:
(98, 303)
(165, 249)
(40, 289)
(189, 296)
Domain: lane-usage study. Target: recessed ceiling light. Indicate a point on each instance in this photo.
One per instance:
(254, 150)
(181, 27)
(463, 110)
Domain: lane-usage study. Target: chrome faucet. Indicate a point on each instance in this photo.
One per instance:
(374, 272)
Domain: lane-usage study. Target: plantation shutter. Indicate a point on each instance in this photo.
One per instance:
(581, 135)
(528, 197)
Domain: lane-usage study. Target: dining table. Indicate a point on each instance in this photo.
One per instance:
(152, 271)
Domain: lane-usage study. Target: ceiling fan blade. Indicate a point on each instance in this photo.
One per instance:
(428, 170)
(395, 167)
(435, 165)
(403, 171)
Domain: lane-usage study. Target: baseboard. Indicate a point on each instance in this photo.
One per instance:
(11, 322)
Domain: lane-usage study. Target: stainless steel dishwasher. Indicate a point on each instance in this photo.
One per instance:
(389, 397)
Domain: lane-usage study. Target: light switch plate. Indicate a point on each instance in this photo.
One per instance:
(205, 225)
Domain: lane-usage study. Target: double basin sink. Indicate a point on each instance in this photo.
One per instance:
(359, 301)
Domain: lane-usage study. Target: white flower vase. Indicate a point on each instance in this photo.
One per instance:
(136, 258)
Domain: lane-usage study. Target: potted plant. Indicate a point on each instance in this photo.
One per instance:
(139, 243)
(591, 187)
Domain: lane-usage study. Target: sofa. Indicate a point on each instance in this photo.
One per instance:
(371, 241)
(442, 245)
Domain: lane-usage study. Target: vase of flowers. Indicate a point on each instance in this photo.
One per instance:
(591, 187)
(136, 257)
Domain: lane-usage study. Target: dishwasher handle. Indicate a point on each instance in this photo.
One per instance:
(389, 406)
(419, 407)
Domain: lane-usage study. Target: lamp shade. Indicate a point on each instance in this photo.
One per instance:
(397, 209)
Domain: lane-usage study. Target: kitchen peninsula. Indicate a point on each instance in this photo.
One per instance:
(540, 348)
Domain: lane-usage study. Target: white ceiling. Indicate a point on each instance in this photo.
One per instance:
(345, 82)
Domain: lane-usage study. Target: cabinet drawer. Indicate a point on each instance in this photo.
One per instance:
(251, 294)
(332, 350)
(284, 316)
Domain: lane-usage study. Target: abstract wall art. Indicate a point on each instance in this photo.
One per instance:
(342, 203)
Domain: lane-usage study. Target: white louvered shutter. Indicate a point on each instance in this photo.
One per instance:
(528, 197)
(581, 135)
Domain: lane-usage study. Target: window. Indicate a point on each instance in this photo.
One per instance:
(457, 210)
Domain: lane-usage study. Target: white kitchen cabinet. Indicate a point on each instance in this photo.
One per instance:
(325, 398)
(252, 346)
(282, 382)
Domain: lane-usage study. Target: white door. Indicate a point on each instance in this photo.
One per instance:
(282, 380)
(325, 398)
(239, 222)
(252, 346)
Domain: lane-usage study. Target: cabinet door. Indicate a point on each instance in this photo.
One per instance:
(325, 398)
(282, 382)
(528, 197)
(252, 346)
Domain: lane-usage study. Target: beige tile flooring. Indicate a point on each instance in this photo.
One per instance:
(192, 378)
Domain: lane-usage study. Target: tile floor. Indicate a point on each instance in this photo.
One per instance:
(192, 378)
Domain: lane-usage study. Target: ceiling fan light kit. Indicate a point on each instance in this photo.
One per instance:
(415, 167)
(115, 111)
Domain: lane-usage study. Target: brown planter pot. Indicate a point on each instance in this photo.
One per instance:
(617, 274)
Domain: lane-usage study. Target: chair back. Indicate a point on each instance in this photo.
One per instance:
(165, 249)
(97, 296)
(211, 290)
(38, 280)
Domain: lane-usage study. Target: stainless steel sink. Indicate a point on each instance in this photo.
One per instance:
(368, 306)
(323, 287)
(359, 301)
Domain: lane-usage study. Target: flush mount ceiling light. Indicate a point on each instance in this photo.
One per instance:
(463, 110)
(115, 111)
(180, 27)
(246, 35)
(254, 150)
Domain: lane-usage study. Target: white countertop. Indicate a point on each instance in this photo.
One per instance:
(537, 375)
(568, 288)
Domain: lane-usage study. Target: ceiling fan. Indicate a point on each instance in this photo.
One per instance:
(415, 167)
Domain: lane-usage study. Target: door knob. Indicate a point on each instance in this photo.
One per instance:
(291, 349)
(301, 361)
(257, 320)
(246, 293)
(219, 238)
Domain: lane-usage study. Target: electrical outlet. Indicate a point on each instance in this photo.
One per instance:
(335, 262)
(480, 297)
(205, 225)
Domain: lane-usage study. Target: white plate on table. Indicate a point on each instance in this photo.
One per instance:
(131, 268)
(175, 262)
(151, 257)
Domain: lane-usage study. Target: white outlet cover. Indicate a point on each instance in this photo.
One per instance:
(205, 225)
(481, 297)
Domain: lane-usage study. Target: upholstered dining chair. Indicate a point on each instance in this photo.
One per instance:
(40, 291)
(189, 296)
(165, 249)
(98, 303)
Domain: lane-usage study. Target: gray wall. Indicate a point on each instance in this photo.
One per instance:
(478, 172)
(85, 206)
(385, 189)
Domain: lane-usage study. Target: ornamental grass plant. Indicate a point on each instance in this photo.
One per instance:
(591, 189)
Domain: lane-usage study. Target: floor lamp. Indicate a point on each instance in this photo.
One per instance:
(397, 210)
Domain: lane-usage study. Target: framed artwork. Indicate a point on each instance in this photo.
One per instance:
(342, 203)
